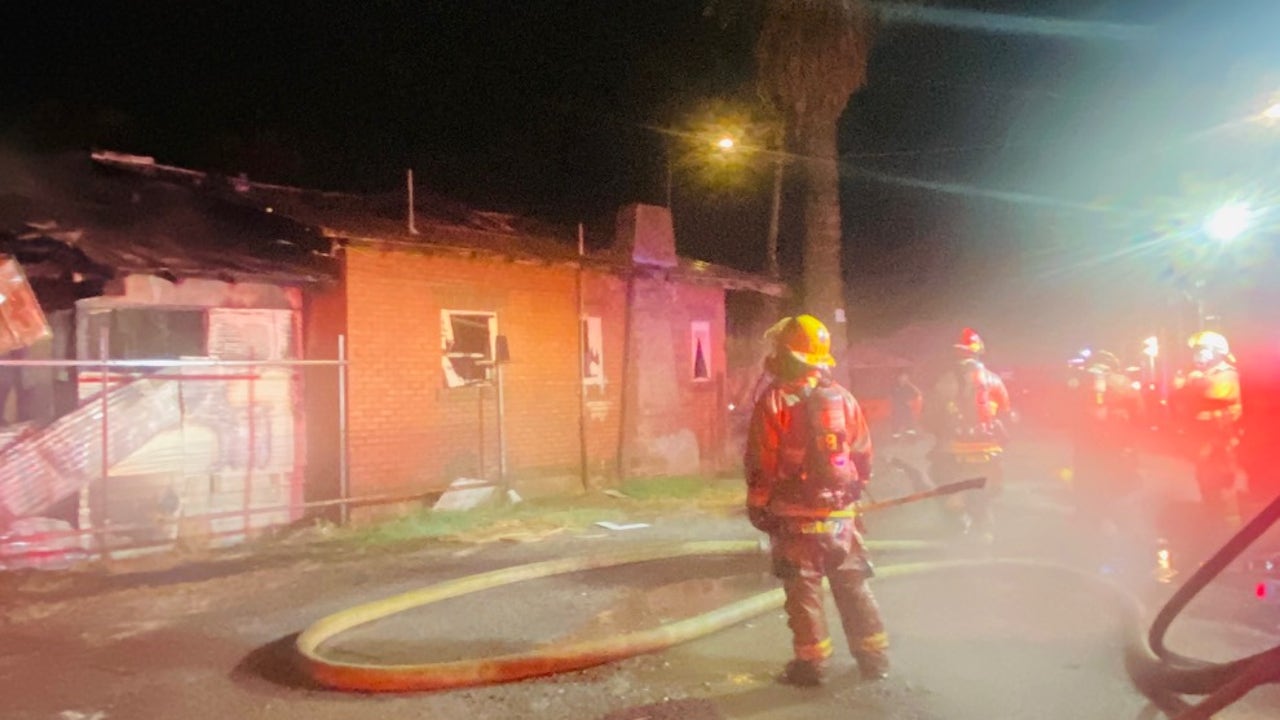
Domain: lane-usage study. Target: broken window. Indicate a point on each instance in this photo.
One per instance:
(592, 351)
(467, 340)
(148, 333)
(700, 349)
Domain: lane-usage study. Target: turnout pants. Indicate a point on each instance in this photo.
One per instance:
(962, 461)
(803, 554)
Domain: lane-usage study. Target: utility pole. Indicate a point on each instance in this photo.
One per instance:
(669, 173)
(771, 241)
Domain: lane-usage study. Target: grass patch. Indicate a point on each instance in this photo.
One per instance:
(665, 488)
(529, 516)
(646, 498)
(686, 492)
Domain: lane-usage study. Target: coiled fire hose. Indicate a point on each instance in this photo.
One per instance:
(370, 677)
(1163, 674)
(1159, 673)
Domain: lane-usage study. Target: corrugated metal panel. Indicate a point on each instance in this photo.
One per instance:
(60, 459)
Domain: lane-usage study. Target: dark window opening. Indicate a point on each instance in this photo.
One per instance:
(468, 346)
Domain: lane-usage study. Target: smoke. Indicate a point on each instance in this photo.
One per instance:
(900, 13)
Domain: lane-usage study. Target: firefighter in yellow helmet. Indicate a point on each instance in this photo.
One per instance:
(1211, 401)
(808, 457)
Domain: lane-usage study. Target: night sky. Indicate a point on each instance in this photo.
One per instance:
(550, 108)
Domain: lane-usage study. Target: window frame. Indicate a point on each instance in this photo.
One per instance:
(584, 327)
(446, 332)
(700, 329)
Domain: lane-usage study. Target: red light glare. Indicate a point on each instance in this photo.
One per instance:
(1261, 591)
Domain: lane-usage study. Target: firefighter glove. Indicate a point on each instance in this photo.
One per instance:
(761, 519)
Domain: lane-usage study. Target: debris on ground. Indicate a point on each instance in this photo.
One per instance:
(610, 525)
(38, 542)
(465, 494)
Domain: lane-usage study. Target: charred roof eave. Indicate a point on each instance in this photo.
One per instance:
(444, 226)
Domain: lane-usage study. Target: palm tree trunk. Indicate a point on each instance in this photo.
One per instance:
(823, 284)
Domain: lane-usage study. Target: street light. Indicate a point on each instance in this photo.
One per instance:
(1228, 222)
(727, 144)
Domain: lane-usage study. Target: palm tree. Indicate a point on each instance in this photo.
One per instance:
(811, 56)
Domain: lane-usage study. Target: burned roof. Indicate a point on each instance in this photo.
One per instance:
(441, 224)
(132, 214)
(112, 220)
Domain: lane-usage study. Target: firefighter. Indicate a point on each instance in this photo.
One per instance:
(907, 401)
(966, 417)
(808, 458)
(1107, 410)
(1211, 400)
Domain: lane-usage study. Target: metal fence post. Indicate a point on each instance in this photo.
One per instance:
(252, 443)
(101, 522)
(344, 510)
(103, 531)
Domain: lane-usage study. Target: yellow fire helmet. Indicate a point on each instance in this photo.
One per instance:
(806, 338)
(1210, 340)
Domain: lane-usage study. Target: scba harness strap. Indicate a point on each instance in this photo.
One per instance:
(818, 476)
(827, 462)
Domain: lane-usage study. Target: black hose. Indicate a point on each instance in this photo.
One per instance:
(1163, 674)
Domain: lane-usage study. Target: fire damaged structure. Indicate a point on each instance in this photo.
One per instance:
(474, 345)
(127, 270)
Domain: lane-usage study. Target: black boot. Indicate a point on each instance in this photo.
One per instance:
(801, 673)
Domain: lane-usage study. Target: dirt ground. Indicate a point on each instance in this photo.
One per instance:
(213, 640)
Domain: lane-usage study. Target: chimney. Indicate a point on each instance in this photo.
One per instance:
(645, 232)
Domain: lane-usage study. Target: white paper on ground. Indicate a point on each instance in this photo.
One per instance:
(609, 525)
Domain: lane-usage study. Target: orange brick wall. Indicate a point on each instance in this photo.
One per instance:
(409, 433)
(604, 296)
(324, 319)
(704, 401)
(698, 404)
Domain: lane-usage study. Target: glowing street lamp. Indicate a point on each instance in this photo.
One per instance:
(723, 141)
(1228, 222)
(727, 144)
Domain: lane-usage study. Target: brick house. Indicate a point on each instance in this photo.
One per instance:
(612, 362)
(426, 314)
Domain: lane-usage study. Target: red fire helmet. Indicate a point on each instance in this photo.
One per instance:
(970, 341)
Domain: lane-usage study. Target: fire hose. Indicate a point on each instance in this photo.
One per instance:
(1163, 676)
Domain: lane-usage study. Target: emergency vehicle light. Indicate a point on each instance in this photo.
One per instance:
(1268, 591)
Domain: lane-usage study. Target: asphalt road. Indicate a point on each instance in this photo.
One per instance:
(966, 646)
